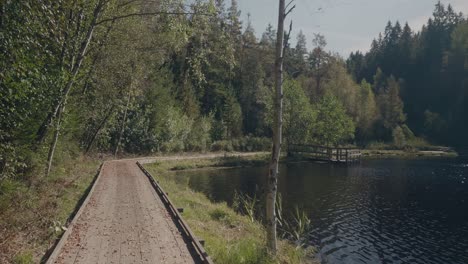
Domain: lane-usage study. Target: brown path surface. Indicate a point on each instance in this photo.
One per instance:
(124, 221)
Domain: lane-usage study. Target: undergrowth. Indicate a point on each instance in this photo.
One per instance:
(34, 208)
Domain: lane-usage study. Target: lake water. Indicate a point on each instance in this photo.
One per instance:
(381, 211)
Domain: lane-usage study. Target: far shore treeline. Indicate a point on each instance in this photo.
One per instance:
(87, 76)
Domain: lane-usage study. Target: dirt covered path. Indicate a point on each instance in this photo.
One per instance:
(123, 221)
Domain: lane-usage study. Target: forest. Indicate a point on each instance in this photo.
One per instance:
(142, 77)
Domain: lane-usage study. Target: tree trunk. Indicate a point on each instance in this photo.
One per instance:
(122, 128)
(277, 127)
(93, 63)
(101, 125)
(42, 132)
(53, 145)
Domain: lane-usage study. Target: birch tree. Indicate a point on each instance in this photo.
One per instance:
(272, 181)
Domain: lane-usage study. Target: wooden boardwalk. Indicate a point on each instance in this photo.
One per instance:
(125, 220)
(328, 154)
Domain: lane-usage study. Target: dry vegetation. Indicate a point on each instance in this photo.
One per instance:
(33, 213)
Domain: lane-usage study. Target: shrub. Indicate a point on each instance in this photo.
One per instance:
(218, 214)
(222, 145)
(398, 137)
(378, 145)
(242, 144)
(177, 129)
(199, 137)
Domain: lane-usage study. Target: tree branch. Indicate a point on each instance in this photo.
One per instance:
(290, 2)
(289, 11)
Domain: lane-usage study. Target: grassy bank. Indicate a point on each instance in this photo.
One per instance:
(33, 210)
(417, 147)
(230, 237)
(383, 153)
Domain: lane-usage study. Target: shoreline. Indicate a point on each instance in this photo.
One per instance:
(231, 160)
(242, 238)
(380, 153)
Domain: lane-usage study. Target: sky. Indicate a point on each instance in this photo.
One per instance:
(348, 25)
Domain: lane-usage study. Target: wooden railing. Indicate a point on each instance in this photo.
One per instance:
(186, 231)
(331, 154)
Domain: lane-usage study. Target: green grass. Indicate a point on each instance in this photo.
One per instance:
(414, 147)
(247, 161)
(396, 153)
(33, 209)
(229, 236)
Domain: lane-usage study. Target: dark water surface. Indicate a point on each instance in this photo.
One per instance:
(381, 211)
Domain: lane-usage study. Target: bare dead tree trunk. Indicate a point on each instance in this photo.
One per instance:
(277, 131)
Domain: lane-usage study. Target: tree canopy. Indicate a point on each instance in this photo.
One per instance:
(143, 77)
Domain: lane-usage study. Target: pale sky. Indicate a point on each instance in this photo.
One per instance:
(348, 25)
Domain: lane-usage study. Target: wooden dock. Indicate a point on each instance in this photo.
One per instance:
(328, 154)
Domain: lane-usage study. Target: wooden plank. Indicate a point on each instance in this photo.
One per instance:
(205, 258)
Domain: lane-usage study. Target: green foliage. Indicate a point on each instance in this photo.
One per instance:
(199, 138)
(177, 127)
(341, 85)
(367, 111)
(434, 124)
(399, 139)
(23, 258)
(247, 143)
(333, 125)
(232, 116)
(246, 205)
(430, 67)
(391, 105)
(297, 227)
(298, 114)
(201, 82)
(407, 132)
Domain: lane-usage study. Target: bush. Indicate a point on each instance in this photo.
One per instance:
(420, 144)
(177, 130)
(218, 214)
(407, 131)
(378, 145)
(244, 144)
(199, 138)
(222, 145)
(398, 137)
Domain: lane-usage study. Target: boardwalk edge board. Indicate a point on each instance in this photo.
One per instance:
(187, 232)
(56, 249)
